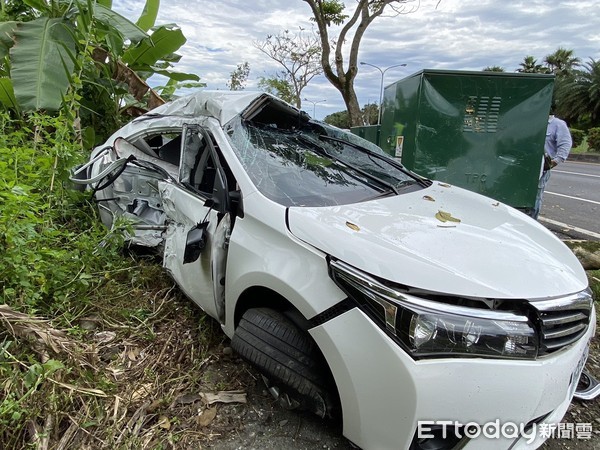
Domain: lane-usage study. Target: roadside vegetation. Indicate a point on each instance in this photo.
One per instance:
(96, 344)
(98, 349)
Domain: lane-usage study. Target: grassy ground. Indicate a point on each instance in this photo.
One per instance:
(127, 373)
(583, 148)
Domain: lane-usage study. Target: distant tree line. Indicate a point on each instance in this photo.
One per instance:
(576, 89)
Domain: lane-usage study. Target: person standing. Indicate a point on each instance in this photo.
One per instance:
(556, 150)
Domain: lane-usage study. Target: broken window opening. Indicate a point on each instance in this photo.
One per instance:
(164, 145)
(290, 161)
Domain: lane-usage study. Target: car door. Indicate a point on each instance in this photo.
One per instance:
(198, 228)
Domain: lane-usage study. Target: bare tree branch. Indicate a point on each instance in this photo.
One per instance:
(341, 73)
(298, 53)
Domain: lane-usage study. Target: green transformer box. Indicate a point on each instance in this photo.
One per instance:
(483, 131)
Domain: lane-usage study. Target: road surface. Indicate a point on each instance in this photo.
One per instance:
(572, 200)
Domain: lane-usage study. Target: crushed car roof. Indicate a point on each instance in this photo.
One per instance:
(222, 105)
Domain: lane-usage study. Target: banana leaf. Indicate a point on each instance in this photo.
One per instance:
(41, 63)
(160, 44)
(148, 17)
(7, 94)
(128, 29)
(7, 31)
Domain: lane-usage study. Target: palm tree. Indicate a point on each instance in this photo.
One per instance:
(530, 65)
(494, 69)
(578, 98)
(562, 62)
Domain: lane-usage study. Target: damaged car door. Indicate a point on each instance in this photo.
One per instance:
(195, 251)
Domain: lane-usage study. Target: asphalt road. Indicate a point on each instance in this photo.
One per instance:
(572, 200)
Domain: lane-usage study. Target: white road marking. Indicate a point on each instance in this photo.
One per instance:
(570, 227)
(574, 198)
(576, 173)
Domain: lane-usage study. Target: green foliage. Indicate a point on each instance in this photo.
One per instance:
(13, 407)
(7, 94)
(50, 241)
(117, 22)
(578, 95)
(84, 49)
(7, 29)
(56, 262)
(370, 113)
(593, 139)
(530, 65)
(332, 12)
(339, 119)
(16, 10)
(594, 279)
(279, 86)
(164, 41)
(238, 78)
(562, 62)
(577, 135)
(494, 69)
(41, 61)
(148, 17)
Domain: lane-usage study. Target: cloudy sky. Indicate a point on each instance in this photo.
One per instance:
(449, 34)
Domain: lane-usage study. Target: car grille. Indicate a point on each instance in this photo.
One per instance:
(562, 321)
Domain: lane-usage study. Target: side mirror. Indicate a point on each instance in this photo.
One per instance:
(195, 243)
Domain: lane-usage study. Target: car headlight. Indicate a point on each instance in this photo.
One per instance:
(427, 328)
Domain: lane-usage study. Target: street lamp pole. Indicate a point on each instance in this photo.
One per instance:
(382, 71)
(314, 104)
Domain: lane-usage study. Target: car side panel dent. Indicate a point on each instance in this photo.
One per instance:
(194, 279)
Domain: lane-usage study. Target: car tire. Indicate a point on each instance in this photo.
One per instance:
(294, 369)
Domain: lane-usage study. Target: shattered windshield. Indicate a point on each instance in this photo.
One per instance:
(309, 166)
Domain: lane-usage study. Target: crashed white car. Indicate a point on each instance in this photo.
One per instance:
(417, 311)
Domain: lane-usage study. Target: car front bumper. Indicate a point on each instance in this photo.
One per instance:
(385, 393)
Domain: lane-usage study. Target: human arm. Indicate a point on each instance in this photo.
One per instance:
(563, 143)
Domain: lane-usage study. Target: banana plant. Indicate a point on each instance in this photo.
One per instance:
(39, 58)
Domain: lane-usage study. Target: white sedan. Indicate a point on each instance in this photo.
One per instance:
(416, 311)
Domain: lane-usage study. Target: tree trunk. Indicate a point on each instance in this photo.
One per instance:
(343, 80)
(352, 105)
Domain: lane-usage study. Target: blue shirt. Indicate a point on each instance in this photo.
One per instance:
(558, 140)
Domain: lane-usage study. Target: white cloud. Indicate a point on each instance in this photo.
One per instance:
(457, 35)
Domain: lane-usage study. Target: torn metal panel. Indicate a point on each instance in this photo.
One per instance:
(185, 211)
(193, 143)
(125, 149)
(220, 249)
(168, 193)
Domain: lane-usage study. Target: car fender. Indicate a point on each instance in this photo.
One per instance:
(262, 253)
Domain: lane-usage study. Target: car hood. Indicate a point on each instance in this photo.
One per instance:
(494, 251)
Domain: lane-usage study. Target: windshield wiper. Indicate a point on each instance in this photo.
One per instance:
(320, 150)
(422, 181)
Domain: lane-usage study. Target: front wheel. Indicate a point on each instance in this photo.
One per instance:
(294, 368)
